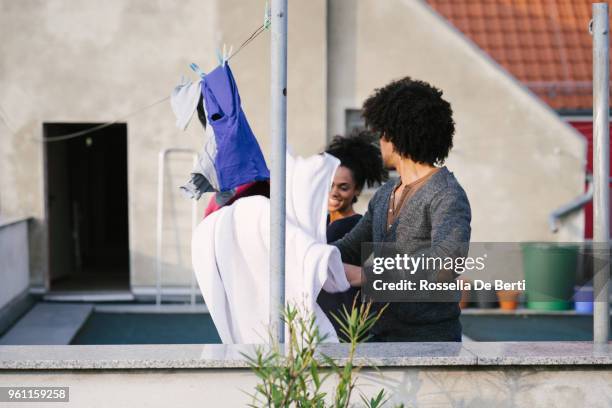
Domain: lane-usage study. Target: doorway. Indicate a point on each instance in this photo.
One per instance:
(87, 207)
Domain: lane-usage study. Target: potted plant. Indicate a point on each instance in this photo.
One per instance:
(508, 299)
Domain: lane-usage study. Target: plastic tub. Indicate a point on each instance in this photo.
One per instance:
(550, 274)
(583, 300)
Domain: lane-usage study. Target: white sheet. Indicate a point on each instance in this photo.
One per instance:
(230, 254)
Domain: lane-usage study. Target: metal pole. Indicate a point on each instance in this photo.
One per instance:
(161, 174)
(194, 223)
(601, 170)
(161, 163)
(278, 130)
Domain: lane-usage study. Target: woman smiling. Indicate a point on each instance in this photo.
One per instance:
(360, 165)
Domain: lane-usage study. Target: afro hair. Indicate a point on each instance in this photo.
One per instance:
(413, 116)
(359, 153)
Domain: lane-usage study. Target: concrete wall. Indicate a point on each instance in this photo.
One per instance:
(515, 158)
(97, 61)
(14, 265)
(415, 386)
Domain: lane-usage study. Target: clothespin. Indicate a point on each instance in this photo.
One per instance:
(267, 17)
(219, 56)
(223, 55)
(228, 55)
(197, 69)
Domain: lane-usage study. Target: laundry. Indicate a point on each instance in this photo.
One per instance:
(230, 156)
(239, 159)
(261, 188)
(231, 251)
(184, 99)
(204, 174)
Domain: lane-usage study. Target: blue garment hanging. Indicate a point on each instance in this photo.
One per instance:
(238, 158)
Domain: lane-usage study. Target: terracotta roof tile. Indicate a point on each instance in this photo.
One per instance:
(544, 43)
(513, 55)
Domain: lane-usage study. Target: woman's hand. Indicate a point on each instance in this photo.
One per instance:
(353, 274)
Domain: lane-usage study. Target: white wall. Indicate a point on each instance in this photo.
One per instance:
(415, 386)
(14, 265)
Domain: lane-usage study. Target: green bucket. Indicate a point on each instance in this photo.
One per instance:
(550, 274)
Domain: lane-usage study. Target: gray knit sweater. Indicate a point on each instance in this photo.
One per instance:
(436, 215)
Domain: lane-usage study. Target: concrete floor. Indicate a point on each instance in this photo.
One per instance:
(129, 322)
(48, 323)
(74, 322)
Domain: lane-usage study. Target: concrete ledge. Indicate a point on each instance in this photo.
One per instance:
(188, 356)
(198, 308)
(479, 375)
(5, 222)
(540, 353)
(522, 312)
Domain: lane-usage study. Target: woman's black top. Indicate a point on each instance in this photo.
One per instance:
(341, 227)
(333, 302)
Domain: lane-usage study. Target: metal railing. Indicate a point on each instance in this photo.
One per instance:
(574, 205)
(163, 155)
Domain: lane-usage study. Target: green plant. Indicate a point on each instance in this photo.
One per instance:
(292, 375)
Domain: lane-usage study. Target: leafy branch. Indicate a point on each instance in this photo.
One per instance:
(293, 375)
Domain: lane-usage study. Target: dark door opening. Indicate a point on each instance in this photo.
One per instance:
(87, 202)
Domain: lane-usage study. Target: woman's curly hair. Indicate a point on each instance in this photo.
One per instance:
(360, 153)
(413, 116)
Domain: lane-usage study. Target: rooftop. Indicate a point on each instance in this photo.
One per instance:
(545, 44)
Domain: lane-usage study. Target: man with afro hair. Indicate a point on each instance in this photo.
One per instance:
(424, 211)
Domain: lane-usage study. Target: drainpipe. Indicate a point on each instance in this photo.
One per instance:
(574, 205)
(601, 170)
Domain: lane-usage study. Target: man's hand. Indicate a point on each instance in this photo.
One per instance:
(353, 274)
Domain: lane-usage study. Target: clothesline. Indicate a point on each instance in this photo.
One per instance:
(101, 126)
(254, 35)
(4, 116)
